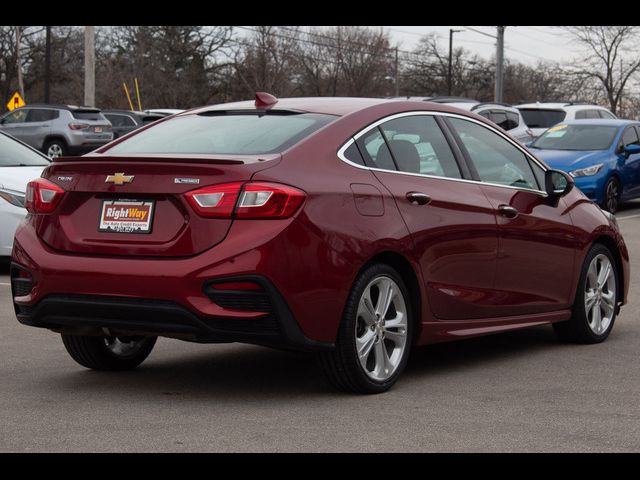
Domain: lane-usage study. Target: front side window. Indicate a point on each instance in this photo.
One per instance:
(419, 146)
(630, 137)
(224, 133)
(19, 116)
(495, 159)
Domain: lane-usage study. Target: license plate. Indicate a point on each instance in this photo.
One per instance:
(98, 129)
(126, 216)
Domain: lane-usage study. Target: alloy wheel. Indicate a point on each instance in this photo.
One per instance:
(381, 328)
(600, 294)
(612, 196)
(54, 150)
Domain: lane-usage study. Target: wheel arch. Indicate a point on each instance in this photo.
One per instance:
(50, 138)
(400, 263)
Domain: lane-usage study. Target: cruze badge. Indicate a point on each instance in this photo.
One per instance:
(119, 178)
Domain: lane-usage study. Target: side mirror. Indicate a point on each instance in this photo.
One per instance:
(557, 183)
(632, 149)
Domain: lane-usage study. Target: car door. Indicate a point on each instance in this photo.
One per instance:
(38, 126)
(452, 224)
(535, 264)
(630, 164)
(13, 123)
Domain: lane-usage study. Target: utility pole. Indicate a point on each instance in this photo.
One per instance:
(19, 62)
(450, 76)
(397, 76)
(47, 66)
(89, 67)
(499, 65)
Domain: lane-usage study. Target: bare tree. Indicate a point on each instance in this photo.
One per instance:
(611, 59)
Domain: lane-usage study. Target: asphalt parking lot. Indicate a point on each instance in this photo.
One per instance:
(521, 391)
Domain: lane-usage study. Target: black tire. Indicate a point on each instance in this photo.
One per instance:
(341, 365)
(57, 145)
(611, 195)
(93, 352)
(577, 329)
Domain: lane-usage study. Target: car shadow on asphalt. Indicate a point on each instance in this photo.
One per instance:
(248, 372)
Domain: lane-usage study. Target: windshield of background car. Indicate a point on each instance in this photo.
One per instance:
(576, 137)
(225, 134)
(539, 118)
(14, 154)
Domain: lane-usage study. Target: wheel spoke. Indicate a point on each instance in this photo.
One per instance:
(398, 322)
(366, 310)
(365, 344)
(589, 300)
(597, 319)
(383, 365)
(384, 299)
(605, 271)
(608, 304)
(397, 337)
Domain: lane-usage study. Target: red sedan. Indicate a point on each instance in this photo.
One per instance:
(354, 228)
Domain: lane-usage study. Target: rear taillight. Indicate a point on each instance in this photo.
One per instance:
(250, 200)
(78, 126)
(269, 200)
(42, 196)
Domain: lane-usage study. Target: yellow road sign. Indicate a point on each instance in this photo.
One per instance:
(15, 102)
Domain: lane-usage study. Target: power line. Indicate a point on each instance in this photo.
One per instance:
(480, 32)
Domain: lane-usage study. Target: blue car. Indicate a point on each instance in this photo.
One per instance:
(603, 157)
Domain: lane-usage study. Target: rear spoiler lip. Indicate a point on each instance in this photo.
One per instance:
(171, 158)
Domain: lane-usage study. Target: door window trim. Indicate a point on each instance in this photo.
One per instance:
(379, 122)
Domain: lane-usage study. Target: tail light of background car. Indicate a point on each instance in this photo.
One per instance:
(78, 126)
(42, 196)
(250, 200)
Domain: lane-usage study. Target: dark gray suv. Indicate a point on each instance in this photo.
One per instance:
(58, 129)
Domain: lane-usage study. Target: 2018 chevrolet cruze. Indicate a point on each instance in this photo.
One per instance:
(355, 228)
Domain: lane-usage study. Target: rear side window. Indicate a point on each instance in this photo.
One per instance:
(87, 115)
(120, 120)
(586, 114)
(606, 114)
(14, 154)
(375, 148)
(495, 159)
(225, 134)
(353, 154)
(42, 115)
(419, 146)
(541, 118)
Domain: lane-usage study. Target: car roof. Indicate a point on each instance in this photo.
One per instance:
(338, 106)
(559, 105)
(605, 122)
(71, 108)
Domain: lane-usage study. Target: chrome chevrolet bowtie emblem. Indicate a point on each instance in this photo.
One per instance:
(119, 178)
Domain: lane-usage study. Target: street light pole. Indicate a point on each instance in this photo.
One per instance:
(450, 76)
(89, 67)
(499, 65)
(47, 66)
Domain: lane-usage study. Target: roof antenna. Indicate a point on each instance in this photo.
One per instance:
(265, 100)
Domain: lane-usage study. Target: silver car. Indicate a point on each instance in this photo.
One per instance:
(58, 129)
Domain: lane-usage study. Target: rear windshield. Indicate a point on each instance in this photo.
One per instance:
(87, 115)
(225, 134)
(576, 137)
(539, 118)
(14, 154)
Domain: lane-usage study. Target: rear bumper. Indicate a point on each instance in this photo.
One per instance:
(95, 315)
(302, 312)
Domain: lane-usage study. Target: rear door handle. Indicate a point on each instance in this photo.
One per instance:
(419, 198)
(507, 211)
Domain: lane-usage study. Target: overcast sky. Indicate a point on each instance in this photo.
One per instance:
(525, 44)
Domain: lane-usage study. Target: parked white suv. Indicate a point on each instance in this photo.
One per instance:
(541, 116)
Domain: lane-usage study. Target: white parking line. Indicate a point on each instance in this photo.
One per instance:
(5, 284)
(628, 216)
